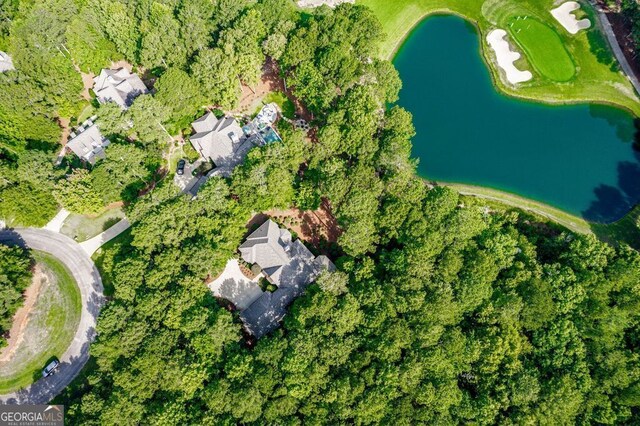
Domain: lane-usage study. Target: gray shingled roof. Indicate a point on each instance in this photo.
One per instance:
(119, 86)
(89, 144)
(220, 140)
(288, 264)
(6, 64)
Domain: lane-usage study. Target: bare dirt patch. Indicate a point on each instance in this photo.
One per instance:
(251, 97)
(319, 228)
(87, 82)
(21, 317)
(64, 125)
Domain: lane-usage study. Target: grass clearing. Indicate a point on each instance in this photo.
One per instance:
(543, 47)
(82, 227)
(104, 263)
(52, 325)
(280, 99)
(597, 78)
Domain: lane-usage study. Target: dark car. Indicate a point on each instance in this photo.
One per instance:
(51, 368)
(180, 170)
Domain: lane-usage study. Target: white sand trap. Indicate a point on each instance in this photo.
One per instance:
(564, 14)
(506, 57)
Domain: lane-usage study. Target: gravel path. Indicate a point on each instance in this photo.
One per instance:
(88, 279)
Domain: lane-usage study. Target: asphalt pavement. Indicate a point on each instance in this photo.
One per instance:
(89, 282)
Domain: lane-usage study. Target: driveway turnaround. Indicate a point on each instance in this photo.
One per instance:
(235, 287)
(89, 282)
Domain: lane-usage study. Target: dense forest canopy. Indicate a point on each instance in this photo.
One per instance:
(442, 311)
(15, 277)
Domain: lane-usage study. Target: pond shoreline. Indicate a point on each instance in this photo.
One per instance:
(502, 87)
(623, 231)
(469, 132)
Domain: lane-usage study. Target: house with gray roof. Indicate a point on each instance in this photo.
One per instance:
(286, 263)
(220, 140)
(119, 86)
(6, 64)
(88, 143)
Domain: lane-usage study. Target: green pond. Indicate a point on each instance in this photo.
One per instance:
(578, 158)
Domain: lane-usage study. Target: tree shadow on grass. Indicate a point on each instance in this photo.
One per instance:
(600, 49)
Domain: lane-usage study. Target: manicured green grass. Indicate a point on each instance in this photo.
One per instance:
(181, 152)
(596, 80)
(280, 99)
(82, 227)
(52, 324)
(86, 113)
(543, 47)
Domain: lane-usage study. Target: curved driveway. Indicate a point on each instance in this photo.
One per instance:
(89, 282)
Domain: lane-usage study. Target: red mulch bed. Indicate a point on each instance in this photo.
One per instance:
(319, 228)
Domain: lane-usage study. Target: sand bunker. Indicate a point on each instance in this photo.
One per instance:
(506, 57)
(564, 14)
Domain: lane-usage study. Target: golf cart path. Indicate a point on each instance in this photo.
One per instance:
(606, 27)
(88, 279)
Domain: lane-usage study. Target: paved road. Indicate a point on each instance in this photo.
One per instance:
(86, 275)
(605, 26)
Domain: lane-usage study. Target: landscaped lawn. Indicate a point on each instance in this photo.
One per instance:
(82, 227)
(597, 78)
(544, 48)
(280, 99)
(52, 324)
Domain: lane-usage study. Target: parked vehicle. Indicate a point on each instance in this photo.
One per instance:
(51, 368)
(180, 170)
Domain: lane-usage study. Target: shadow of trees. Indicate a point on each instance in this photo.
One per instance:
(600, 49)
(610, 211)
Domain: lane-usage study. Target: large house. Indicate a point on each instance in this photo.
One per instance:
(6, 64)
(220, 140)
(226, 144)
(88, 143)
(287, 264)
(119, 86)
